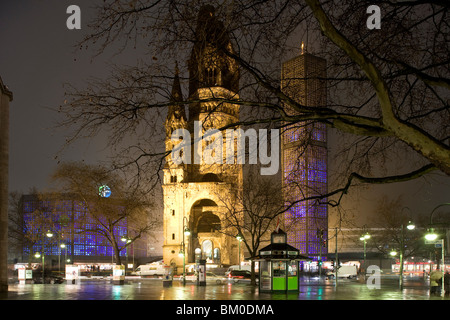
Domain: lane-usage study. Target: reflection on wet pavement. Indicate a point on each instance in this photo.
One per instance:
(151, 289)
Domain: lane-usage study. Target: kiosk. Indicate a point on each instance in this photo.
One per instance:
(72, 273)
(201, 279)
(25, 275)
(279, 265)
(119, 274)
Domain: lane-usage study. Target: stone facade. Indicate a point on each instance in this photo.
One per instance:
(193, 192)
(5, 97)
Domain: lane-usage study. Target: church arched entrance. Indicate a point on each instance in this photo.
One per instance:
(205, 228)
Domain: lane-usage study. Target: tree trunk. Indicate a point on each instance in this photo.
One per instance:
(253, 277)
(116, 250)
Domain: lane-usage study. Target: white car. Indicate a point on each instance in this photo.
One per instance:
(345, 272)
(210, 277)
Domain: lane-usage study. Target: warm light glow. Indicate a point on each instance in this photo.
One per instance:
(181, 254)
(393, 253)
(410, 226)
(49, 234)
(37, 255)
(187, 232)
(364, 237)
(62, 245)
(431, 236)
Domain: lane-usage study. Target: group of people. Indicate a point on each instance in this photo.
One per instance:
(436, 282)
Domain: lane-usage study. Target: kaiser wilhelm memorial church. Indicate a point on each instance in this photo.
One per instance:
(193, 192)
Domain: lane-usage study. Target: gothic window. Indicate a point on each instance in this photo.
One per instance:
(216, 255)
(207, 249)
(211, 76)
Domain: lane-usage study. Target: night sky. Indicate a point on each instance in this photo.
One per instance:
(38, 55)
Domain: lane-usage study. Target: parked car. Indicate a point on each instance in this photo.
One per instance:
(214, 278)
(152, 269)
(238, 275)
(52, 279)
(210, 277)
(345, 272)
(236, 267)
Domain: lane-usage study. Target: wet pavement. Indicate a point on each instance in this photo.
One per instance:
(148, 298)
(153, 289)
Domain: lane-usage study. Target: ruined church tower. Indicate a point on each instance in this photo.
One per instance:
(193, 192)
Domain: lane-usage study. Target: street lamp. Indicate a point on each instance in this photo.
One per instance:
(239, 237)
(410, 226)
(364, 238)
(128, 240)
(432, 236)
(61, 246)
(49, 234)
(182, 253)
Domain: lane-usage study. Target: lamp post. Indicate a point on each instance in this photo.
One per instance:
(182, 253)
(432, 236)
(364, 238)
(61, 246)
(409, 226)
(49, 234)
(127, 240)
(239, 238)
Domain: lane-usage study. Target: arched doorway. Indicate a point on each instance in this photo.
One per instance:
(205, 225)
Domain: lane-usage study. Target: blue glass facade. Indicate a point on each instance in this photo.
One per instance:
(70, 224)
(304, 158)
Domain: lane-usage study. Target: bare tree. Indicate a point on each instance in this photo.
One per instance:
(390, 217)
(27, 229)
(252, 212)
(15, 224)
(388, 88)
(126, 207)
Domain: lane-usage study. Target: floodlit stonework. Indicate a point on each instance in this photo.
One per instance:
(193, 192)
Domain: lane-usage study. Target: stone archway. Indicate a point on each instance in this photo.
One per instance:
(205, 226)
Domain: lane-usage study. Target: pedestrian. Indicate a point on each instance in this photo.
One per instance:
(435, 282)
